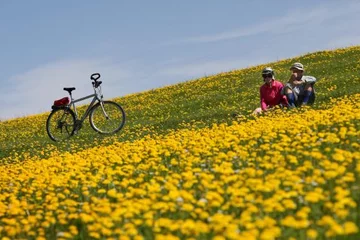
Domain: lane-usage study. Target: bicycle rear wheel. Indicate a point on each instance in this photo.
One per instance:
(107, 120)
(60, 124)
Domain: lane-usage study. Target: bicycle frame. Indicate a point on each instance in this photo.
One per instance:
(96, 96)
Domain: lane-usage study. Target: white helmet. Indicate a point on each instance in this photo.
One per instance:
(267, 71)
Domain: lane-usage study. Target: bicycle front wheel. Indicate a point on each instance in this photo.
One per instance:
(107, 118)
(60, 124)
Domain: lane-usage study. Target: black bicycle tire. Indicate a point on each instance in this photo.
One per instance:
(49, 118)
(121, 125)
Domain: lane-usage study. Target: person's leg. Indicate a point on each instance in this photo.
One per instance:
(299, 101)
(290, 95)
(312, 97)
(309, 96)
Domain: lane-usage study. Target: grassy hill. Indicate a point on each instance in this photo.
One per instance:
(207, 100)
(183, 167)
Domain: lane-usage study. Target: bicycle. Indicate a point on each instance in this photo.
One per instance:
(106, 117)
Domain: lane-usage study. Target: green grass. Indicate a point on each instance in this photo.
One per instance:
(207, 100)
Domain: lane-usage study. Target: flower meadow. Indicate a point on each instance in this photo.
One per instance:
(194, 172)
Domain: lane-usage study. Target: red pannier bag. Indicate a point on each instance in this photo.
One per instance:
(62, 101)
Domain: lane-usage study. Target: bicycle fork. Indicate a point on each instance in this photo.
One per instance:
(103, 109)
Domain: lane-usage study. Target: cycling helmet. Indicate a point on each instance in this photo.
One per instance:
(268, 71)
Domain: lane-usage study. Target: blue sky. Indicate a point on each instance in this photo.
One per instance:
(141, 45)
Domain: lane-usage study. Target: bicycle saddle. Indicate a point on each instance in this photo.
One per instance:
(70, 89)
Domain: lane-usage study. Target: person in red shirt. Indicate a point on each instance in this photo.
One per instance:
(270, 92)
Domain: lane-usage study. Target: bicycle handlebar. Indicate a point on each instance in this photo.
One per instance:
(95, 76)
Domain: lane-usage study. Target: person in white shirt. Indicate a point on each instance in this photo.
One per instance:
(299, 90)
